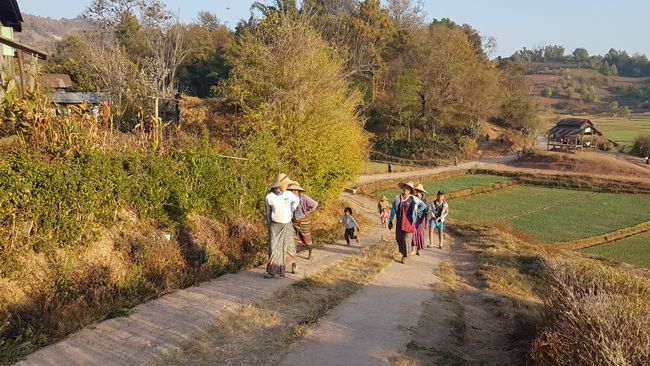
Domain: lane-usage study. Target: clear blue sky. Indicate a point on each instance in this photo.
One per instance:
(597, 25)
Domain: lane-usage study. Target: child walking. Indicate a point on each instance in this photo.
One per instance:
(383, 216)
(350, 225)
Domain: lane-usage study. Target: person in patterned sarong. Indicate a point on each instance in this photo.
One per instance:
(301, 218)
(280, 206)
(421, 220)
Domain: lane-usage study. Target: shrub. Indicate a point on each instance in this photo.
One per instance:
(419, 149)
(547, 92)
(598, 316)
(303, 121)
(641, 145)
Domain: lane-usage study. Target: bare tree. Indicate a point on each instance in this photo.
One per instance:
(170, 49)
(407, 14)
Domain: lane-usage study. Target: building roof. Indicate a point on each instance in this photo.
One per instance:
(56, 81)
(78, 98)
(573, 127)
(10, 15)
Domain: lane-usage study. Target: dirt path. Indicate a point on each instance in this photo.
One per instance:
(425, 172)
(408, 312)
(374, 324)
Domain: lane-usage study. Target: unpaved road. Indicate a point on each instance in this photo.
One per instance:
(373, 325)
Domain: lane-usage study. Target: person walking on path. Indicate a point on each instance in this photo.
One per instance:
(301, 219)
(383, 206)
(404, 209)
(383, 203)
(383, 217)
(438, 211)
(421, 221)
(350, 225)
(280, 206)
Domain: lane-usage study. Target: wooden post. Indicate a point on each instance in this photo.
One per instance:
(21, 70)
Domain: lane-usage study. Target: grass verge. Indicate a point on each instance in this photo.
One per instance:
(261, 333)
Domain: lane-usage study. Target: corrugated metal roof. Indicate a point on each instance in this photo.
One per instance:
(10, 15)
(574, 122)
(78, 98)
(573, 127)
(56, 81)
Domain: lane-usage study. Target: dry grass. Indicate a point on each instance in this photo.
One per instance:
(261, 333)
(598, 316)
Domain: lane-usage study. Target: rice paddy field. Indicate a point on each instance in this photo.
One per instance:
(554, 215)
(624, 130)
(449, 185)
(634, 250)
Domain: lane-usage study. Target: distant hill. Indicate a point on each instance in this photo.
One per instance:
(42, 33)
(551, 88)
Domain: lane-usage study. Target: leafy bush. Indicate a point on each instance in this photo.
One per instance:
(641, 145)
(420, 149)
(303, 121)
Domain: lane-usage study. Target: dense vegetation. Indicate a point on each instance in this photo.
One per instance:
(424, 88)
(615, 62)
(102, 212)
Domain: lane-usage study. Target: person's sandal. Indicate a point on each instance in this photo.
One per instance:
(403, 260)
(417, 253)
(269, 275)
(429, 246)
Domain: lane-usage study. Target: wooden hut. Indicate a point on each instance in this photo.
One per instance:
(573, 134)
(11, 21)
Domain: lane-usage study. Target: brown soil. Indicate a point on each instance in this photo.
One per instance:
(494, 147)
(592, 163)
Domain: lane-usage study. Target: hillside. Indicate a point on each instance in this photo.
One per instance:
(569, 87)
(42, 33)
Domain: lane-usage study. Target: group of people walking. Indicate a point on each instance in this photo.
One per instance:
(288, 211)
(414, 216)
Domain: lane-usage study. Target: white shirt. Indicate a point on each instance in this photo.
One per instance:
(280, 206)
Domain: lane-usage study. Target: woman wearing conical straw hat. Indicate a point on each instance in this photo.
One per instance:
(404, 209)
(421, 221)
(280, 206)
(301, 217)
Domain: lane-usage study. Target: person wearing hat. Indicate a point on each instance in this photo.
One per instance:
(280, 206)
(383, 206)
(421, 221)
(301, 220)
(404, 210)
(438, 211)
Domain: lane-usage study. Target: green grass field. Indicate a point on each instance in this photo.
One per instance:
(623, 130)
(449, 185)
(633, 250)
(552, 215)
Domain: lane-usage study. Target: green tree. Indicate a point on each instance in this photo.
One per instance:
(407, 86)
(581, 54)
(301, 116)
